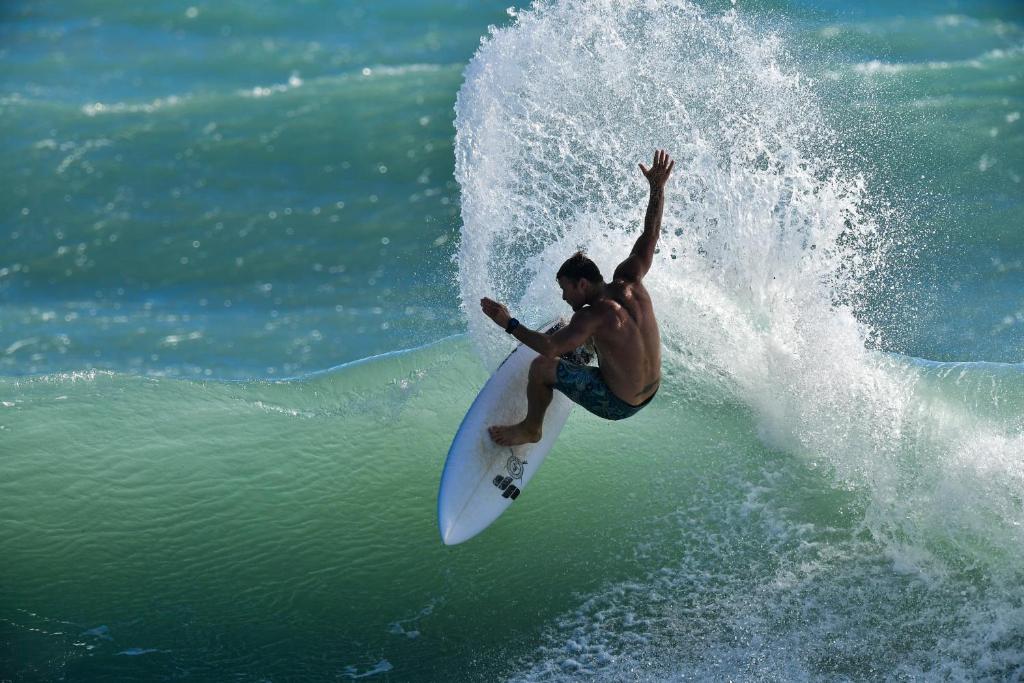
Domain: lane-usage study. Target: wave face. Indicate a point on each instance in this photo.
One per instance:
(159, 519)
(769, 245)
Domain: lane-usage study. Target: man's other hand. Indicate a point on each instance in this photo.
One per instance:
(495, 311)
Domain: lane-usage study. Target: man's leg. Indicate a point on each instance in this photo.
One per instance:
(538, 396)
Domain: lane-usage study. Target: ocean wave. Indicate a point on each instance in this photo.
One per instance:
(97, 108)
(759, 559)
(948, 367)
(944, 24)
(875, 66)
(294, 82)
(770, 240)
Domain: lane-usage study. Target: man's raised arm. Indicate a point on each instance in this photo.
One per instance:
(640, 259)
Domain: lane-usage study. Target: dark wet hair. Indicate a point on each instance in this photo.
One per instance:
(578, 267)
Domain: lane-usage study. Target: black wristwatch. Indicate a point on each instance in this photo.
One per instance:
(512, 325)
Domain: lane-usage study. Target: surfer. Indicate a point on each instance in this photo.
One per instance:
(616, 316)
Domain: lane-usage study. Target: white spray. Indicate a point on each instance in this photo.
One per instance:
(766, 242)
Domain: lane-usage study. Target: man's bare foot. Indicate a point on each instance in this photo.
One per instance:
(513, 435)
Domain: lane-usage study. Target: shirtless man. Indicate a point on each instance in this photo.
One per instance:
(616, 315)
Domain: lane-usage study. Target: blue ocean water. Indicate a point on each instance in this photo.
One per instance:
(241, 249)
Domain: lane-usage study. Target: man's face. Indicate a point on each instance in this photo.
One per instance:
(573, 292)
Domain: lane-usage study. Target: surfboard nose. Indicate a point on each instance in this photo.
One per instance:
(453, 533)
(458, 524)
(449, 538)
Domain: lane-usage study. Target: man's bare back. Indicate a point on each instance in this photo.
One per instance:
(617, 316)
(627, 341)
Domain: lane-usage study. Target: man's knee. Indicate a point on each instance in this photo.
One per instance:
(543, 369)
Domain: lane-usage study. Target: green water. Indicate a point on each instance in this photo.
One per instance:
(284, 530)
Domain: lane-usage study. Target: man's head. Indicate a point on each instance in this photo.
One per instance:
(580, 279)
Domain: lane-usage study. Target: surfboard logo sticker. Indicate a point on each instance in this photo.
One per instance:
(515, 467)
(507, 488)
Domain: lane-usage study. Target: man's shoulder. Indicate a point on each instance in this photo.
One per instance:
(621, 291)
(605, 312)
(628, 283)
(603, 306)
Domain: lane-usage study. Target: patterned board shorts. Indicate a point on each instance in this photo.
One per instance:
(584, 385)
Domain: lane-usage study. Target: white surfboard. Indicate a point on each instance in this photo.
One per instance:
(482, 479)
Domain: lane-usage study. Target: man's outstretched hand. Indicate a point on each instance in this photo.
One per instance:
(657, 174)
(495, 311)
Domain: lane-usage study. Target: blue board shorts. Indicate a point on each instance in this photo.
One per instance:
(583, 384)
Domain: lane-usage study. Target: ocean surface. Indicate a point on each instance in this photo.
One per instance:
(241, 249)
